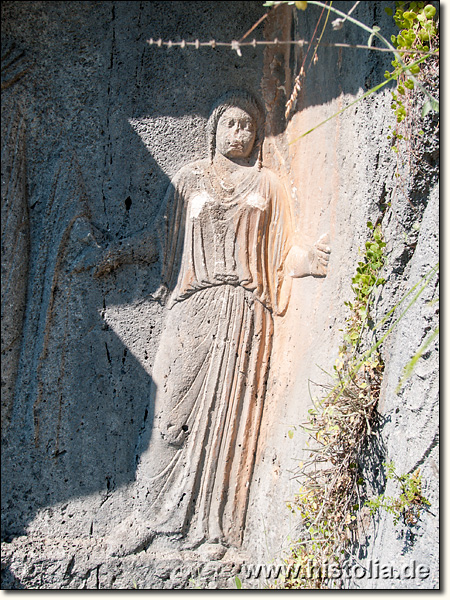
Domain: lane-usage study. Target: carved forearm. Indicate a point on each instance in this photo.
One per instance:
(140, 247)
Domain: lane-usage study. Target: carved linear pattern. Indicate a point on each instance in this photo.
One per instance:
(241, 238)
(15, 253)
(196, 472)
(64, 212)
(15, 236)
(223, 260)
(14, 67)
(228, 256)
(50, 291)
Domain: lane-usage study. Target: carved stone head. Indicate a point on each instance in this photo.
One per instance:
(237, 105)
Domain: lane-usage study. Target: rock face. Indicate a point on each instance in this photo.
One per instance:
(96, 125)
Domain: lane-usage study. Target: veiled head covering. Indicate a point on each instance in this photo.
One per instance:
(245, 101)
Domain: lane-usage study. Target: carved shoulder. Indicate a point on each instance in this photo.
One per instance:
(273, 186)
(190, 173)
(271, 179)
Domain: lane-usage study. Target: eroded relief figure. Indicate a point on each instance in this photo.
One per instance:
(227, 253)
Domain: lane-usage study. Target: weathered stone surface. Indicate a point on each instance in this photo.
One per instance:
(228, 258)
(72, 564)
(107, 122)
(15, 251)
(409, 429)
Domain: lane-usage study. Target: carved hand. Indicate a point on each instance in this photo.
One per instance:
(303, 261)
(83, 236)
(140, 247)
(319, 256)
(109, 260)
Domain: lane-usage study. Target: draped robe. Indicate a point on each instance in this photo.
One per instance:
(223, 256)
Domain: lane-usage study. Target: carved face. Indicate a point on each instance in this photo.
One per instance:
(236, 133)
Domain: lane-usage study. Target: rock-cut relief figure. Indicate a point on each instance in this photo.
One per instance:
(227, 253)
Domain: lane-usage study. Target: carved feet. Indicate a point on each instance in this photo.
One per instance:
(211, 551)
(130, 537)
(133, 535)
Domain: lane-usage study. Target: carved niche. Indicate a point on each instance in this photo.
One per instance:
(224, 236)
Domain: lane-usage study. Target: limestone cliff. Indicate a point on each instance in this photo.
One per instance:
(96, 123)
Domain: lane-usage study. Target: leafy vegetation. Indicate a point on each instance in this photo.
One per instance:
(364, 283)
(416, 43)
(341, 420)
(338, 424)
(418, 32)
(408, 504)
(418, 36)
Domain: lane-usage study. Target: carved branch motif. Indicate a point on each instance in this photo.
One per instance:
(65, 228)
(15, 225)
(15, 255)
(13, 66)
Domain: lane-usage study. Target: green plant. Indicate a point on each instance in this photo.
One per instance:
(364, 282)
(408, 504)
(405, 70)
(409, 368)
(418, 35)
(328, 498)
(194, 584)
(338, 424)
(418, 32)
